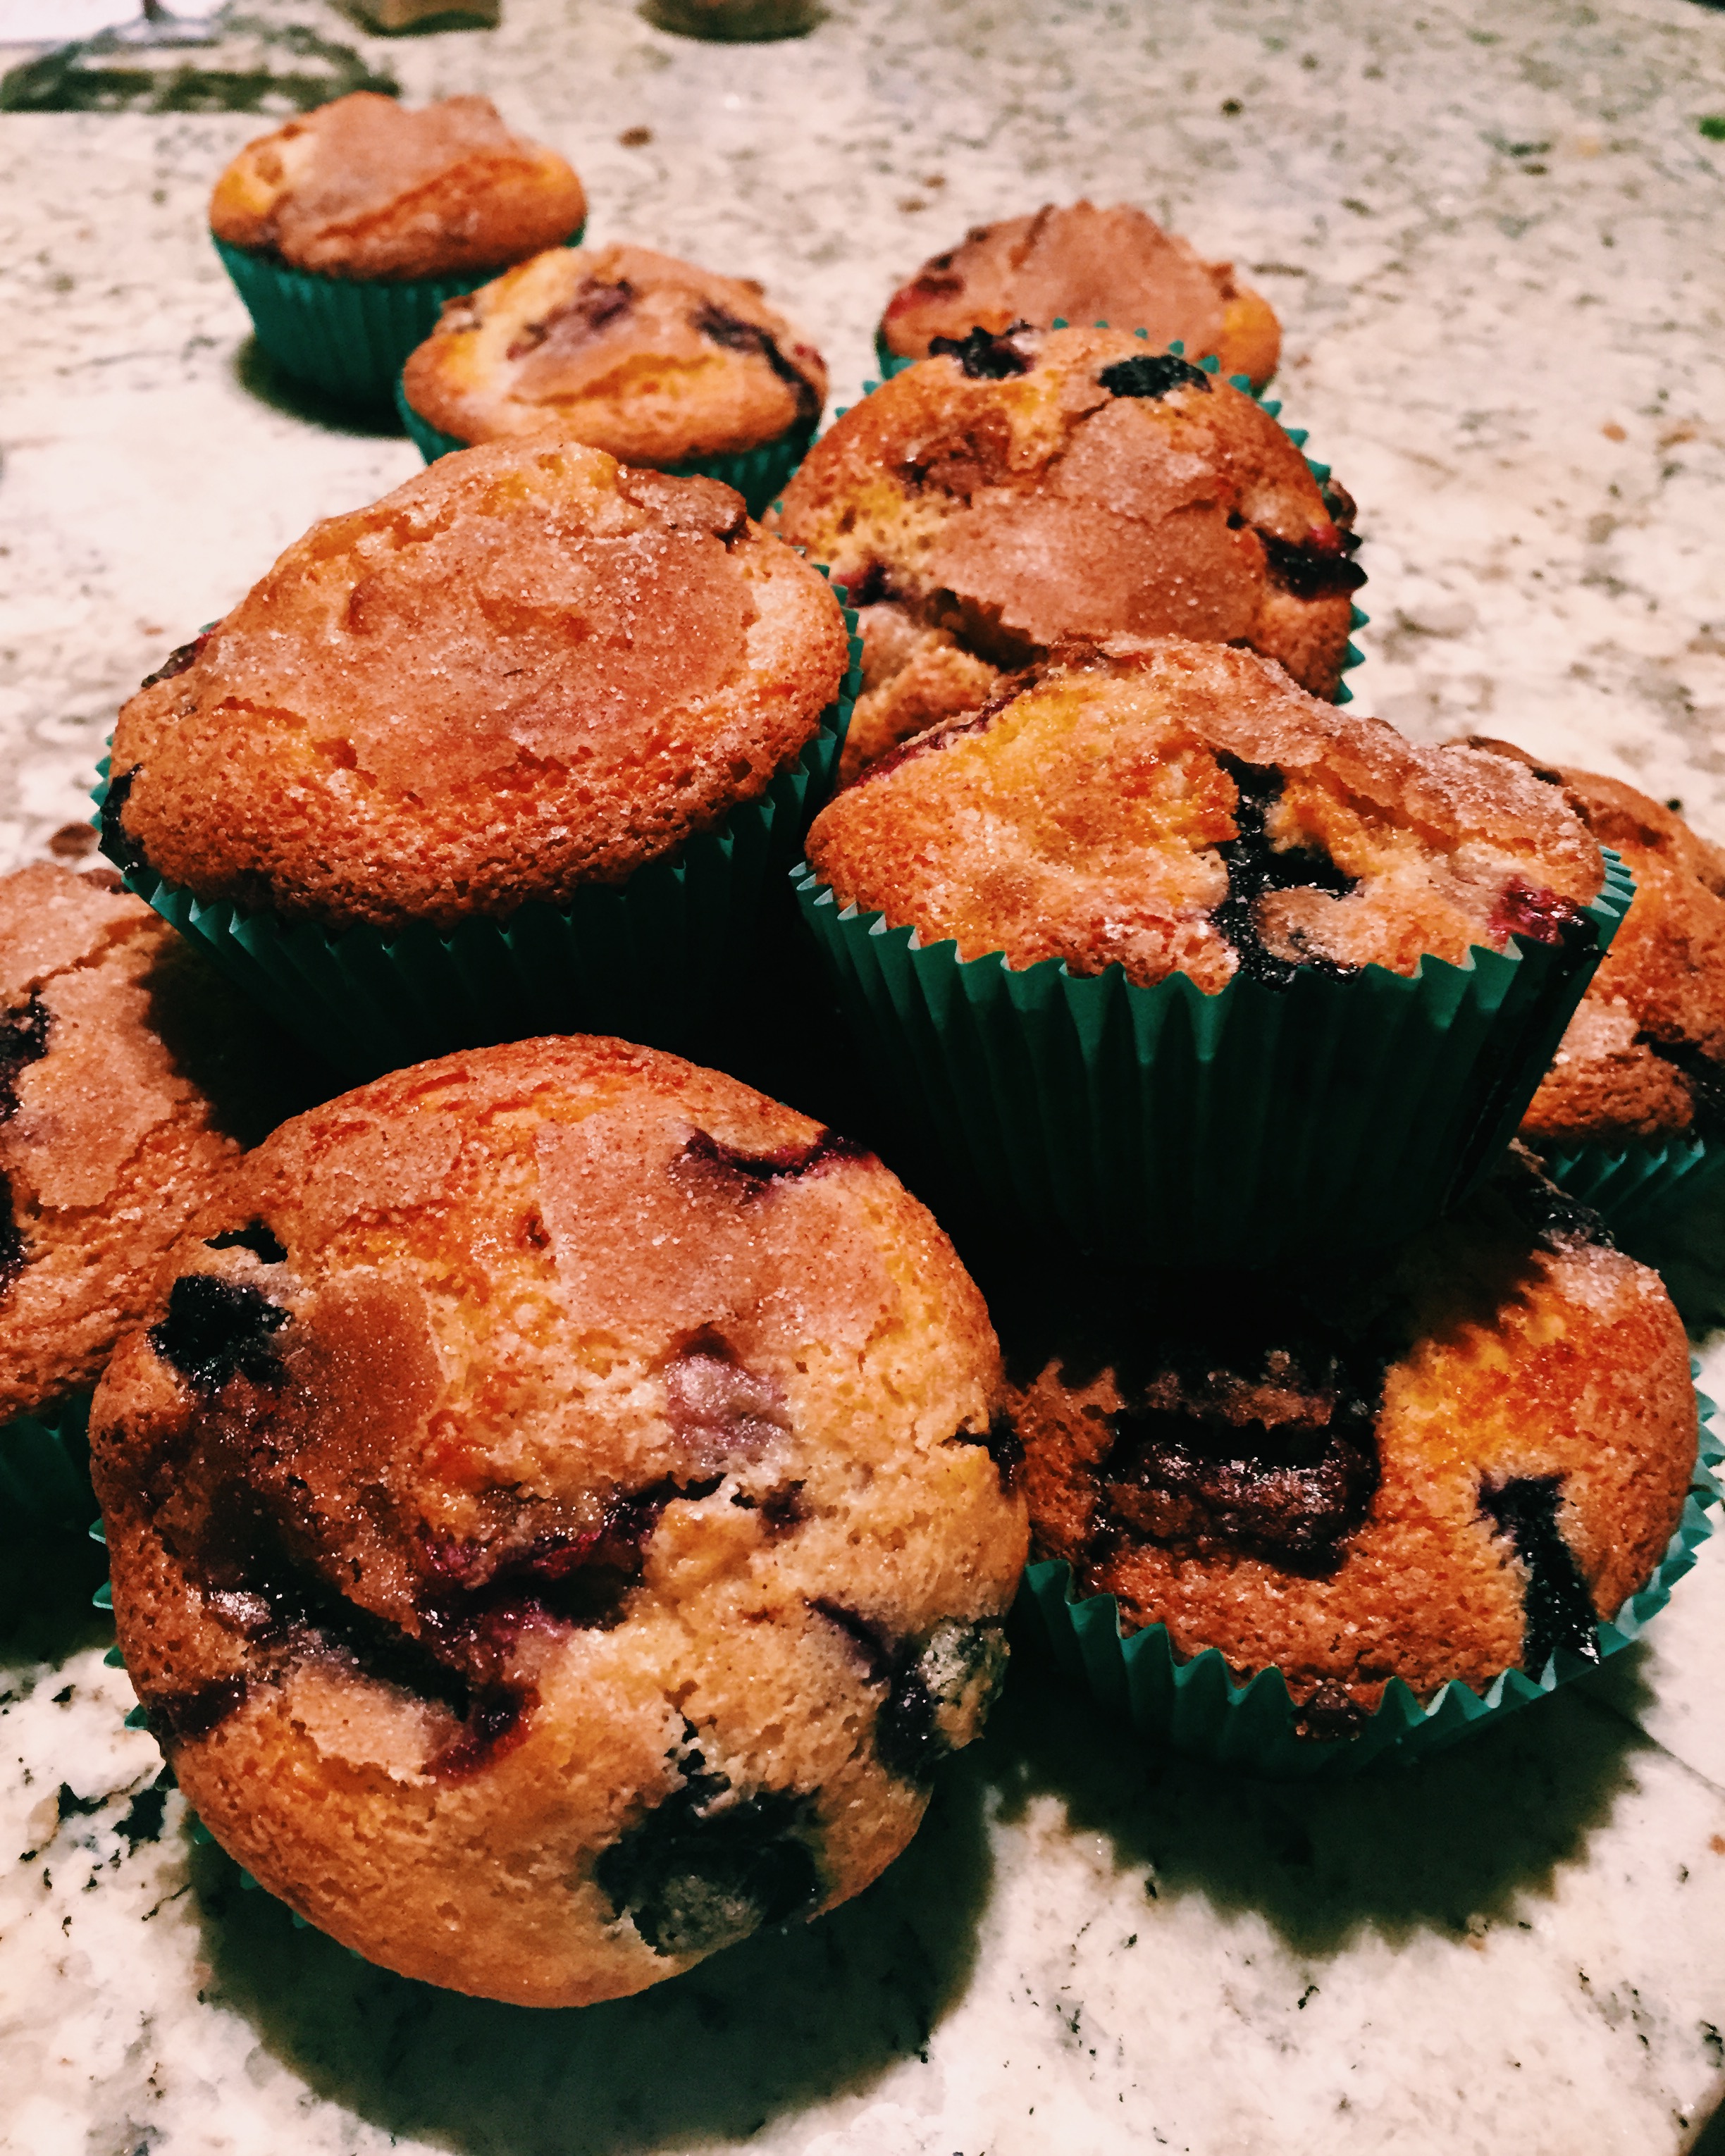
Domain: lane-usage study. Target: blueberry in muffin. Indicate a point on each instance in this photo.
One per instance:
(1081, 263)
(553, 1521)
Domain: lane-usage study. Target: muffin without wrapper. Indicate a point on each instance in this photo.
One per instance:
(520, 742)
(1167, 952)
(130, 1075)
(615, 1547)
(987, 505)
(346, 230)
(1463, 1461)
(630, 351)
(1079, 264)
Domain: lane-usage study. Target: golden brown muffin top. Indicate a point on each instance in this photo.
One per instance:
(1045, 485)
(528, 669)
(1179, 806)
(631, 351)
(365, 188)
(1082, 264)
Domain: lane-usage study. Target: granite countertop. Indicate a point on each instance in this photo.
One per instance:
(1495, 238)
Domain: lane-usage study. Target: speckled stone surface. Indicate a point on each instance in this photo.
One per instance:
(1495, 236)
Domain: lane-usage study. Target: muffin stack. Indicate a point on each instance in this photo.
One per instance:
(563, 1503)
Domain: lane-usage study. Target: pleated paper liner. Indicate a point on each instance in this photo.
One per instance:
(347, 337)
(44, 1470)
(892, 364)
(1164, 1125)
(1194, 1705)
(758, 475)
(1639, 1188)
(646, 959)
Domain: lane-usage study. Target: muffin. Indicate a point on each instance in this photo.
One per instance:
(996, 501)
(130, 1075)
(630, 351)
(346, 230)
(1157, 945)
(528, 676)
(1463, 1461)
(1084, 265)
(553, 1523)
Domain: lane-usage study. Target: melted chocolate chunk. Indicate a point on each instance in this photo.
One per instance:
(1539, 914)
(1153, 374)
(588, 311)
(118, 843)
(13, 1255)
(704, 1868)
(785, 1164)
(1559, 1610)
(925, 1680)
(216, 1330)
(1307, 570)
(736, 335)
(1706, 1080)
(1255, 867)
(24, 1040)
(178, 660)
(255, 1237)
(185, 1717)
(984, 355)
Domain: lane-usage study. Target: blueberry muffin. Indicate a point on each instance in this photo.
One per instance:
(651, 359)
(130, 1075)
(1179, 807)
(528, 670)
(1457, 1464)
(364, 189)
(554, 1524)
(1022, 490)
(1084, 265)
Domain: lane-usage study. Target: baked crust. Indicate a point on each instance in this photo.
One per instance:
(555, 1531)
(528, 669)
(1079, 264)
(631, 351)
(1173, 805)
(362, 188)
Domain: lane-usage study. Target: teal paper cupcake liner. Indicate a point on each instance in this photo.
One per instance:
(1195, 1707)
(1638, 1187)
(759, 475)
(349, 337)
(892, 364)
(646, 959)
(44, 1468)
(1164, 1125)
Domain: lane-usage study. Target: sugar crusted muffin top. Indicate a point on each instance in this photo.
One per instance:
(1175, 806)
(1079, 264)
(130, 1075)
(631, 351)
(553, 1522)
(528, 669)
(1455, 1462)
(364, 188)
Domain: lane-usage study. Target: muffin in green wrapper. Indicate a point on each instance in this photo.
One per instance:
(659, 362)
(1302, 1520)
(347, 230)
(517, 750)
(1157, 952)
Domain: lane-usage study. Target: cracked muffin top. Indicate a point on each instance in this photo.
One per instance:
(528, 669)
(130, 1076)
(1456, 1463)
(1001, 498)
(629, 351)
(1083, 265)
(553, 1518)
(364, 188)
(1644, 1057)
(1172, 806)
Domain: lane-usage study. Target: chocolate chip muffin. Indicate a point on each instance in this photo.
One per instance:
(528, 670)
(1181, 807)
(1084, 265)
(1458, 1464)
(365, 189)
(654, 360)
(554, 1525)
(998, 501)
(129, 1077)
